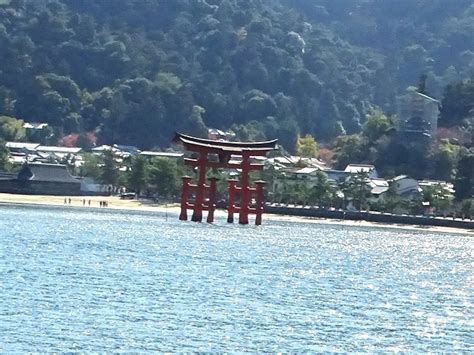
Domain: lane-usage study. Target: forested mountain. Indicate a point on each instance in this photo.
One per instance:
(134, 71)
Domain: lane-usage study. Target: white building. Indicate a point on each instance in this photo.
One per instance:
(447, 186)
(405, 186)
(173, 155)
(362, 168)
(59, 151)
(379, 188)
(21, 147)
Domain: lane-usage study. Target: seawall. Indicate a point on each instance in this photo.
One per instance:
(370, 217)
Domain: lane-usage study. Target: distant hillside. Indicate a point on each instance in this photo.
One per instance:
(135, 71)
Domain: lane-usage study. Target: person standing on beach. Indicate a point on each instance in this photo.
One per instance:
(89, 203)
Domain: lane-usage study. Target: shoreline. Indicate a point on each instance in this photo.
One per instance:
(136, 206)
(114, 202)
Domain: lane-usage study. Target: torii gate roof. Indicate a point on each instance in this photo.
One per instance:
(212, 146)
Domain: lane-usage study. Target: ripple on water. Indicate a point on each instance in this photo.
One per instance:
(77, 281)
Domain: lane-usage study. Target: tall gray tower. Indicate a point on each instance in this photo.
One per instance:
(417, 115)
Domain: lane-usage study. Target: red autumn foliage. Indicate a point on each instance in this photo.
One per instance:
(453, 133)
(326, 155)
(70, 140)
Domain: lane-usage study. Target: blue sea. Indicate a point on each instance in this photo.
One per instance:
(84, 280)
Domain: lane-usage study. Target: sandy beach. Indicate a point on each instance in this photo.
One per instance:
(78, 201)
(114, 202)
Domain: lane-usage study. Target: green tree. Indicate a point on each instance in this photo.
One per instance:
(6, 102)
(328, 114)
(438, 197)
(458, 101)
(467, 208)
(138, 174)
(356, 188)
(350, 149)
(376, 125)
(464, 182)
(307, 146)
(109, 174)
(84, 142)
(11, 129)
(134, 114)
(168, 82)
(90, 166)
(290, 192)
(196, 124)
(4, 163)
(322, 191)
(444, 160)
(256, 105)
(163, 175)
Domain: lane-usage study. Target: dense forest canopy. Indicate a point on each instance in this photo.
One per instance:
(134, 71)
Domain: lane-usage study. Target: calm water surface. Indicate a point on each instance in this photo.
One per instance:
(72, 280)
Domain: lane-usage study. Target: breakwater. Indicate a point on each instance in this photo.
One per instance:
(370, 216)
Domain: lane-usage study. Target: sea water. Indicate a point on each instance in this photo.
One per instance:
(74, 279)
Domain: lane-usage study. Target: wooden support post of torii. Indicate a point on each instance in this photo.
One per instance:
(231, 200)
(207, 151)
(244, 190)
(200, 188)
(259, 201)
(212, 199)
(183, 216)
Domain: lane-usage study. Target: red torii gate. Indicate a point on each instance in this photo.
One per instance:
(224, 150)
